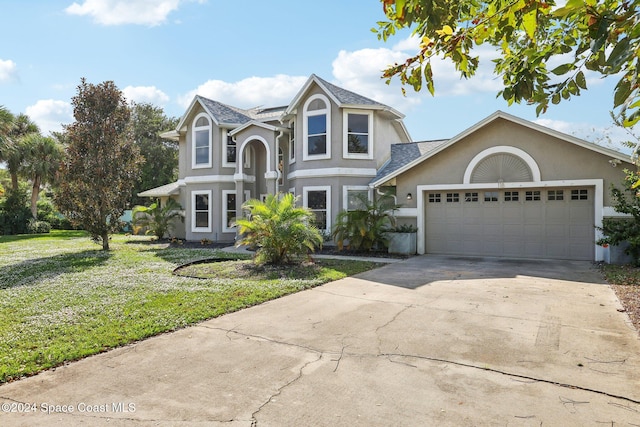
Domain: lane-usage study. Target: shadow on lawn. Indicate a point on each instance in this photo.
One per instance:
(28, 272)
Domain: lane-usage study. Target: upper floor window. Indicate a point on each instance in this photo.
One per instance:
(317, 128)
(228, 150)
(292, 142)
(357, 138)
(201, 142)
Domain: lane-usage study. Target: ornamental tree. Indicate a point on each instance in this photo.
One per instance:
(602, 36)
(102, 161)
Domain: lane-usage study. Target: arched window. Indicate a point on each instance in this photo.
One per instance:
(201, 142)
(317, 128)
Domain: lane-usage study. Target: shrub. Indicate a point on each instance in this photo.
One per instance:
(365, 229)
(38, 227)
(157, 219)
(281, 232)
(15, 212)
(620, 230)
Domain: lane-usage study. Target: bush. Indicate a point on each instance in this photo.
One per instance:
(366, 229)
(621, 230)
(15, 212)
(48, 212)
(282, 232)
(157, 219)
(38, 227)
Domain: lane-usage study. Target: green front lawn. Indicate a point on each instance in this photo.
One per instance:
(62, 298)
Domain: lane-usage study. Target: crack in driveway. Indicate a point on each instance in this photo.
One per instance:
(389, 356)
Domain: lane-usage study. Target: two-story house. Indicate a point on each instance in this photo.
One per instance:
(504, 187)
(325, 146)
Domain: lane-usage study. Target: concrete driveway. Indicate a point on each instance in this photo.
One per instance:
(429, 341)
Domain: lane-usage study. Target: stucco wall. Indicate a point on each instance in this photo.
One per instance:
(556, 158)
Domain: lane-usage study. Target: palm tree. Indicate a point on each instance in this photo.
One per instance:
(365, 229)
(6, 124)
(158, 219)
(281, 231)
(22, 126)
(41, 161)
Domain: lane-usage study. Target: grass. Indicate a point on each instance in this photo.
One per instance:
(62, 298)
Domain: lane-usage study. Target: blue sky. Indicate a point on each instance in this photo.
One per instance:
(245, 53)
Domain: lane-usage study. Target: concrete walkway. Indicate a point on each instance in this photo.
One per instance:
(427, 341)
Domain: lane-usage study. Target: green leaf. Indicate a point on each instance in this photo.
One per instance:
(621, 93)
(530, 23)
(573, 88)
(619, 54)
(563, 69)
(581, 81)
(571, 7)
(428, 76)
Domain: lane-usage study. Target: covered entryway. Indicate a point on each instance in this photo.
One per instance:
(521, 223)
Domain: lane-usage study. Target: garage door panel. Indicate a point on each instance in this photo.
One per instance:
(545, 228)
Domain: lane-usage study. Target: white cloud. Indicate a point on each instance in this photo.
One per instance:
(148, 94)
(50, 114)
(8, 70)
(361, 72)
(610, 137)
(118, 12)
(249, 92)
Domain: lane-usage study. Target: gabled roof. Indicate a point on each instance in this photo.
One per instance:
(342, 97)
(258, 124)
(400, 165)
(228, 115)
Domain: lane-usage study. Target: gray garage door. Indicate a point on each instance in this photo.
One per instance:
(531, 223)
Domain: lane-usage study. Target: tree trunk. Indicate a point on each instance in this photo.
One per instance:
(35, 193)
(105, 241)
(14, 180)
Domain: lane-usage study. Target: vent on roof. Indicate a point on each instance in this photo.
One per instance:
(501, 167)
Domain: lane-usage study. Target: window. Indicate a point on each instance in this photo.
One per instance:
(201, 143)
(470, 197)
(229, 212)
(532, 195)
(434, 197)
(201, 212)
(555, 195)
(511, 196)
(318, 200)
(355, 197)
(247, 156)
(317, 128)
(453, 197)
(357, 135)
(490, 196)
(292, 142)
(582, 194)
(229, 150)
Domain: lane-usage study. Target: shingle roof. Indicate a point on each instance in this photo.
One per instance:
(402, 154)
(346, 96)
(162, 191)
(224, 114)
